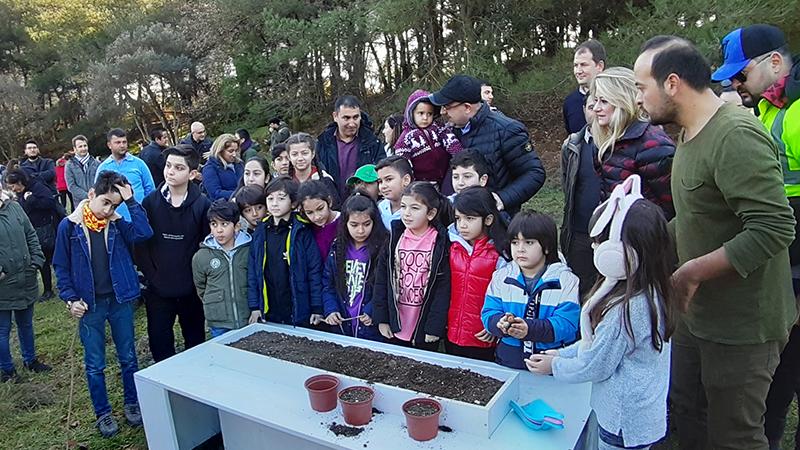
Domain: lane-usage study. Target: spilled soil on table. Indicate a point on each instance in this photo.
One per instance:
(374, 367)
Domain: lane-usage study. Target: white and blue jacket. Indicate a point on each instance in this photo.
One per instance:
(555, 300)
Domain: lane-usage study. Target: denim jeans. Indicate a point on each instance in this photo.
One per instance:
(93, 338)
(24, 319)
(216, 331)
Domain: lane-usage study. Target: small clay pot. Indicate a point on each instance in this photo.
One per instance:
(358, 412)
(322, 392)
(422, 418)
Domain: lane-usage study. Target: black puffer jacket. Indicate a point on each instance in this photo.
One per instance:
(515, 171)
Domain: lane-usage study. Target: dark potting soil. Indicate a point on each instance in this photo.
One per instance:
(374, 367)
(376, 411)
(344, 430)
(356, 395)
(421, 409)
(445, 428)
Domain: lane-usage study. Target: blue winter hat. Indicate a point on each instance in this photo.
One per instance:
(741, 45)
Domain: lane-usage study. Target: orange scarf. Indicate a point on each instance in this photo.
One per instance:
(91, 221)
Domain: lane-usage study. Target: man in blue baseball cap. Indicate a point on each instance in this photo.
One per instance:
(760, 67)
(748, 58)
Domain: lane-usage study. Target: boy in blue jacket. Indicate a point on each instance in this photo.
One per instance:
(285, 269)
(96, 278)
(532, 303)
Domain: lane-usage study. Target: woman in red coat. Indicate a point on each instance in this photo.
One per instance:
(476, 235)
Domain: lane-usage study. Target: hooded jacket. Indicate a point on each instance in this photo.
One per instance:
(780, 113)
(20, 256)
(305, 271)
(428, 149)
(72, 258)
(370, 150)
(80, 178)
(166, 258)
(556, 294)
(221, 280)
(433, 317)
(644, 149)
(221, 179)
(471, 269)
(515, 172)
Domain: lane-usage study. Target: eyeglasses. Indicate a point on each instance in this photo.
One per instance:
(741, 77)
(451, 106)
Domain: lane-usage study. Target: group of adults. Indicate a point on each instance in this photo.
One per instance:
(731, 188)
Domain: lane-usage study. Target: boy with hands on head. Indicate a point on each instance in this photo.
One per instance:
(97, 280)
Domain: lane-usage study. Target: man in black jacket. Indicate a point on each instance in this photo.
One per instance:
(151, 154)
(42, 169)
(348, 142)
(516, 173)
(198, 139)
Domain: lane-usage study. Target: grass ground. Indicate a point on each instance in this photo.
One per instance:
(34, 412)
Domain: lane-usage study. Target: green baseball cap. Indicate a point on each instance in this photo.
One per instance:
(365, 173)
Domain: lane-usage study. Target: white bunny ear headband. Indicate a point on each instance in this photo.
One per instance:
(611, 258)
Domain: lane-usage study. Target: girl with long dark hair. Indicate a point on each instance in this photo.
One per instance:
(350, 269)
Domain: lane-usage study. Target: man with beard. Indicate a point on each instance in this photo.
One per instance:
(759, 65)
(732, 229)
(42, 169)
(348, 142)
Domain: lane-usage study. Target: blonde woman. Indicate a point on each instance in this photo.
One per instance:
(626, 142)
(224, 168)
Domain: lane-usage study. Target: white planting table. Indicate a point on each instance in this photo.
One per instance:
(259, 402)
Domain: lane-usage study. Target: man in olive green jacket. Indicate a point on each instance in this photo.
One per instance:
(220, 270)
(732, 227)
(20, 259)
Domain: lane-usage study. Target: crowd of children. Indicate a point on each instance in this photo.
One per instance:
(415, 268)
(395, 261)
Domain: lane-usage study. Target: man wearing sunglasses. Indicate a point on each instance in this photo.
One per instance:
(760, 67)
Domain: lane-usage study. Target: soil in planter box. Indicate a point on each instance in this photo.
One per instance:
(356, 396)
(374, 367)
(344, 430)
(421, 409)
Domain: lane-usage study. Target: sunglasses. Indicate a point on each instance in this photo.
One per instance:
(741, 77)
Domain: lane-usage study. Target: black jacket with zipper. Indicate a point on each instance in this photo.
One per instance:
(433, 317)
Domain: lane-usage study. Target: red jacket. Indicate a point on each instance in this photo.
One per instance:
(470, 277)
(61, 181)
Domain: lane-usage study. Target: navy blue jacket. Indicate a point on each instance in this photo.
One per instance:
(151, 155)
(43, 169)
(305, 269)
(515, 172)
(333, 302)
(370, 150)
(73, 265)
(574, 118)
(166, 258)
(200, 147)
(221, 182)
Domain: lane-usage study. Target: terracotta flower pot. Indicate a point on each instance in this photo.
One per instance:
(322, 392)
(356, 404)
(422, 418)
